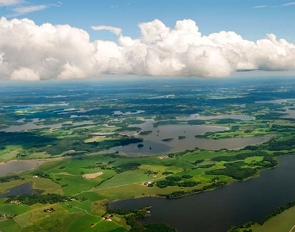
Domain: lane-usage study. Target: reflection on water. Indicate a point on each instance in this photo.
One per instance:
(218, 210)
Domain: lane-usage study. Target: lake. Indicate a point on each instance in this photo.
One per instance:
(218, 210)
(33, 125)
(153, 143)
(16, 166)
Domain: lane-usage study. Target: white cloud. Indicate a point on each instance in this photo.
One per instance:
(28, 9)
(115, 30)
(32, 52)
(10, 2)
(24, 74)
(289, 4)
(21, 7)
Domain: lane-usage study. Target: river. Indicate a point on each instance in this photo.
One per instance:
(218, 210)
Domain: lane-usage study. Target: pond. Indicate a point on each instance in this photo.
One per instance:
(16, 166)
(24, 189)
(218, 210)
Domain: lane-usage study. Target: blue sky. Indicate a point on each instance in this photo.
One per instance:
(251, 19)
(41, 40)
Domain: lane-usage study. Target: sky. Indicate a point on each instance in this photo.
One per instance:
(42, 40)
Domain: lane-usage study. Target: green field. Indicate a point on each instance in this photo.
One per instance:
(82, 176)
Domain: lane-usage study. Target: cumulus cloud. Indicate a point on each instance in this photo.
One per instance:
(41, 52)
(24, 74)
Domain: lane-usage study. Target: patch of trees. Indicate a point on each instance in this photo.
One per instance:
(126, 167)
(173, 178)
(128, 128)
(188, 184)
(214, 185)
(129, 140)
(176, 194)
(240, 156)
(170, 155)
(268, 162)
(234, 170)
(198, 162)
(42, 199)
(196, 122)
(187, 176)
(150, 172)
(42, 175)
(132, 215)
(20, 155)
(159, 227)
(275, 145)
(165, 183)
(10, 178)
(166, 173)
(282, 128)
(26, 139)
(145, 132)
(227, 121)
(77, 144)
(167, 139)
(206, 166)
(176, 181)
(270, 116)
(235, 128)
(206, 135)
(251, 148)
(167, 122)
(245, 227)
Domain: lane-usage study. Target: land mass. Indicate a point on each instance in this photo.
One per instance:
(94, 155)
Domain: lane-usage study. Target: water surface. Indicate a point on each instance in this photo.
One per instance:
(153, 143)
(218, 210)
(24, 189)
(33, 125)
(15, 166)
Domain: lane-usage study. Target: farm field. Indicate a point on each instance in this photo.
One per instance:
(118, 142)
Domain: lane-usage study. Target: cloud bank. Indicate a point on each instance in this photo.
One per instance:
(32, 52)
